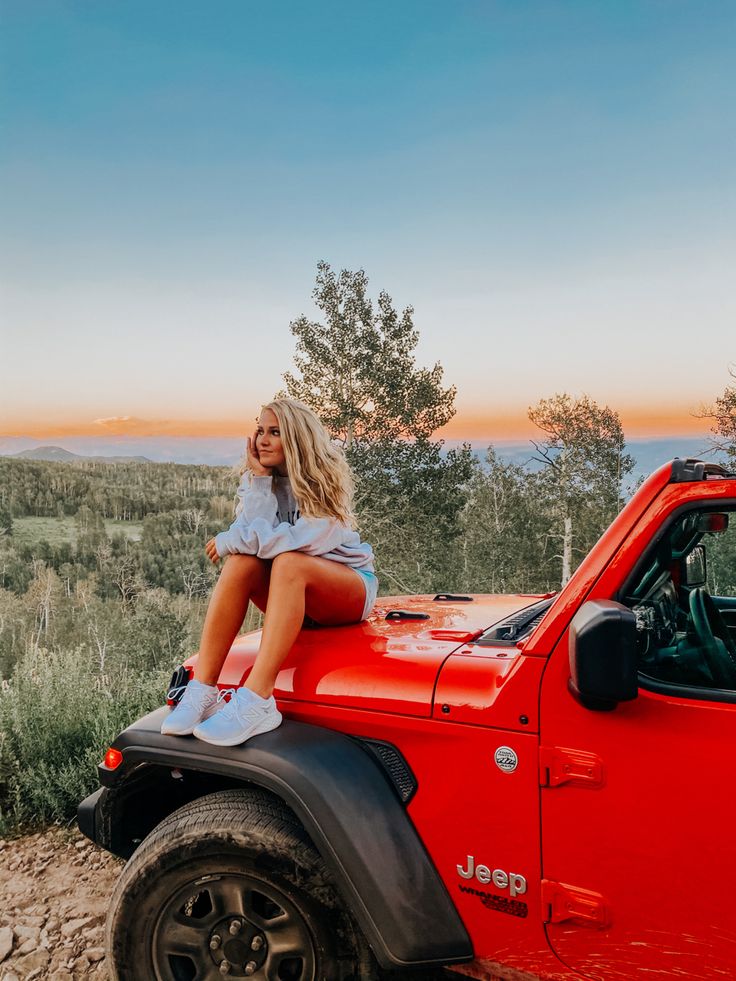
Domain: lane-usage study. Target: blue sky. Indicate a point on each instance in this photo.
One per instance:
(549, 184)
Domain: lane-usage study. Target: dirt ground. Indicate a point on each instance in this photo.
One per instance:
(55, 888)
(54, 892)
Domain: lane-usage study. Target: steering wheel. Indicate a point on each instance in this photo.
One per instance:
(708, 625)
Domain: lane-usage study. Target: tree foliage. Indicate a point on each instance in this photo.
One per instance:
(357, 370)
(409, 502)
(724, 425)
(583, 468)
(506, 542)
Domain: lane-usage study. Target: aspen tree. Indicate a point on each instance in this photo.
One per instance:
(583, 468)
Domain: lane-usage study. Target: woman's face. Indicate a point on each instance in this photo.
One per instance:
(268, 442)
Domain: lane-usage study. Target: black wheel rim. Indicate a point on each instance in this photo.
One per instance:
(232, 925)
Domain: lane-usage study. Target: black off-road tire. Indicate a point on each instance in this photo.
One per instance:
(231, 877)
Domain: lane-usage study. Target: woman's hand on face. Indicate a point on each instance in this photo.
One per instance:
(212, 551)
(254, 463)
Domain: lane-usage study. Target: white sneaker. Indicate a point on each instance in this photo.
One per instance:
(197, 703)
(245, 715)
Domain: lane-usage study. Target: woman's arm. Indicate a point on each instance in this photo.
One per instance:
(315, 536)
(257, 499)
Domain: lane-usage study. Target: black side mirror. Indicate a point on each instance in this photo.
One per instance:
(603, 655)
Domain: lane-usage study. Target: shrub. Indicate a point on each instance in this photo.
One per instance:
(57, 717)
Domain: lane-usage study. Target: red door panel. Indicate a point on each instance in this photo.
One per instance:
(655, 840)
(652, 838)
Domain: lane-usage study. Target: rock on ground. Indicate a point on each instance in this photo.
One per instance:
(55, 887)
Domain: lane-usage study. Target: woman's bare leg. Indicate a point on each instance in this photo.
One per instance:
(327, 590)
(244, 577)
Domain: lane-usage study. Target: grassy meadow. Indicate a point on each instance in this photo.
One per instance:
(32, 530)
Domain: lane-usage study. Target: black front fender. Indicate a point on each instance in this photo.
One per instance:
(348, 807)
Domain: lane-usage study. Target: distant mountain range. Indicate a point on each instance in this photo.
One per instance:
(648, 454)
(57, 454)
(216, 451)
(220, 451)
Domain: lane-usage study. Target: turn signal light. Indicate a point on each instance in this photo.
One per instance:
(113, 759)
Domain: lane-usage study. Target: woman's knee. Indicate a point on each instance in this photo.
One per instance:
(291, 565)
(245, 566)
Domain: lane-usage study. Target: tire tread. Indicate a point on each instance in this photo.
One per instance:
(260, 823)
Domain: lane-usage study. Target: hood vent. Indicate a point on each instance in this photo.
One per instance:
(508, 631)
(406, 615)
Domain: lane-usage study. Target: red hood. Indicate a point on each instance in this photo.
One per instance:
(381, 665)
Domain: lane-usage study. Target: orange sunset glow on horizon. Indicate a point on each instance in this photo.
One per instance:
(474, 425)
(637, 423)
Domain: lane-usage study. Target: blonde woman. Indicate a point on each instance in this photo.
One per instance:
(293, 551)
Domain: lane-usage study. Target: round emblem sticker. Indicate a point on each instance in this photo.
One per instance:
(506, 759)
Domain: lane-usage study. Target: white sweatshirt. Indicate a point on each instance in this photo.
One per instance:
(268, 522)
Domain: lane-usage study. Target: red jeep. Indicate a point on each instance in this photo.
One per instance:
(509, 786)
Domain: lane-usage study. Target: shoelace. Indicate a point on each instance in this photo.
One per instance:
(236, 708)
(226, 691)
(174, 694)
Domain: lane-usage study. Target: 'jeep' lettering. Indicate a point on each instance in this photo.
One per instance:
(483, 873)
(515, 883)
(500, 879)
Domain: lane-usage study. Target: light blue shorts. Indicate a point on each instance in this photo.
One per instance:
(370, 580)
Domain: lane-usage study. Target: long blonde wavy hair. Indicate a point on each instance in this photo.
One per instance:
(320, 476)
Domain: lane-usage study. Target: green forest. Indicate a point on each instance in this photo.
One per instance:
(103, 580)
